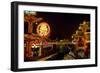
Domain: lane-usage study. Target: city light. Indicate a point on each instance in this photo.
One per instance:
(43, 29)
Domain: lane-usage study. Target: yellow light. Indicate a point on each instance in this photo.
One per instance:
(43, 29)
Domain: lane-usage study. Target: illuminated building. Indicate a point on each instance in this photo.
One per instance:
(45, 35)
(82, 37)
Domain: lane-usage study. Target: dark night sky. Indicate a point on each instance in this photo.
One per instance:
(63, 25)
